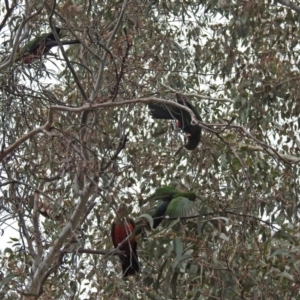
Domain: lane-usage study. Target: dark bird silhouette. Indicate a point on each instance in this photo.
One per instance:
(122, 234)
(40, 46)
(169, 112)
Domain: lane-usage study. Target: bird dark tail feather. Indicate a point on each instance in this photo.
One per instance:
(130, 264)
(51, 35)
(159, 112)
(159, 213)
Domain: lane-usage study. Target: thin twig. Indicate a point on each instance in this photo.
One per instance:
(61, 48)
(47, 126)
(290, 4)
(38, 235)
(197, 95)
(9, 10)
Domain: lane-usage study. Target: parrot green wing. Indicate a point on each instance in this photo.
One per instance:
(173, 203)
(40, 41)
(33, 44)
(38, 46)
(189, 195)
(165, 193)
(181, 207)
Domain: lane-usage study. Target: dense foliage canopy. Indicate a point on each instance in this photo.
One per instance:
(77, 140)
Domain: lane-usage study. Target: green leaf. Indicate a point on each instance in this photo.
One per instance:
(149, 219)
(7, 279)
(178, 248)
(281, 234)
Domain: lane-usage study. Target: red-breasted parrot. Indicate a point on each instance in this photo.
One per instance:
(40, 46)
(169, 112)
(121, 234)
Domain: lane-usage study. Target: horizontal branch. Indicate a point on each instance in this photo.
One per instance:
(97, 252)
(6, 63)
(13, 181)
(286, 157)
(290, 4)
(86, 107)
(198, 95)
(212, 214)
(262, 146)
(20, 141)
(146, 100)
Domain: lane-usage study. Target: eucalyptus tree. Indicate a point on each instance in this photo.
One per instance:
(78, 140)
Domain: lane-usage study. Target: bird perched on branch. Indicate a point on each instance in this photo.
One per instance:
(173, 203)
(122, 234)
(40, 46)
(182, 206)
(169, 112)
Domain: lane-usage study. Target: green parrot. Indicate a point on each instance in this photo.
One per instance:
(165, 193)
(169, 112)
(181, 207)
(41, 45)
(173, 203)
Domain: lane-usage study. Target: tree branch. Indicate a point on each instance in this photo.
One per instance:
(37, 232)
(285, 157)
(290, 4)
(54, 251)
(197, 95)
(194, 120)
(97, 252)
(61, 48)
(9, 10)
(85, 114)
(17, 39)
(109, 42)
(145, 224)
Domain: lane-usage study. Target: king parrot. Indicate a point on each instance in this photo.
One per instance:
(121, 231)
(41, 45)
(169, 112)
(181, 207)
(174, 203)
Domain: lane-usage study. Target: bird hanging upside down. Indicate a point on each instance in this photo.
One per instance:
(170, 112)
(121, 233)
